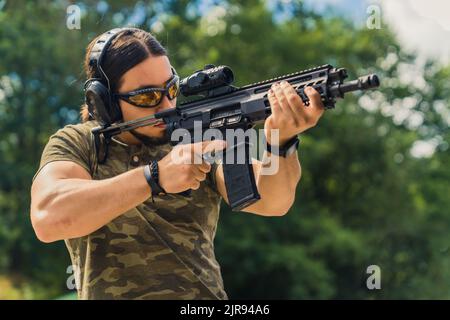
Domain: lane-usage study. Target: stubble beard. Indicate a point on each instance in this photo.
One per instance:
(150, 141)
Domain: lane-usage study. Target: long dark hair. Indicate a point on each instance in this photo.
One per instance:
(128, 49)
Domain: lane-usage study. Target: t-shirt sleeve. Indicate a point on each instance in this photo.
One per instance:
(72, 143)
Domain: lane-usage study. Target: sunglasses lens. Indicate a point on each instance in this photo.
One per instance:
(147, 99)
(174, 90)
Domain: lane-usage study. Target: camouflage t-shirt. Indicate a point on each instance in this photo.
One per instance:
(158, 250)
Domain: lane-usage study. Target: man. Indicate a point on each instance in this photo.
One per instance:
(124, 241)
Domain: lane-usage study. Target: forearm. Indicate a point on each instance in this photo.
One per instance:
(278, 188)
(282, 184)
(72, 208)
(289, 118)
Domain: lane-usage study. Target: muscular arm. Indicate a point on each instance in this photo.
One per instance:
(62, 184)
(289, 117)
(66, 203)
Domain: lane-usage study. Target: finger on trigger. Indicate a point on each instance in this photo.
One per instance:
(197, 158)
(213, 145)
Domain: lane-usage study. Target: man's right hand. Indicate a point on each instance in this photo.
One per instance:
(183, 168)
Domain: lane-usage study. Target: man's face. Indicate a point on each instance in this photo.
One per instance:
(153, 71)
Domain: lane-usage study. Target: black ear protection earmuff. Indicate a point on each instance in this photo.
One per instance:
(97, 90)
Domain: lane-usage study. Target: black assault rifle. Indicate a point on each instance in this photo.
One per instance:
(223, 106)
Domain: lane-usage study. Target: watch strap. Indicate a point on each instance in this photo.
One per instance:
(287, 149)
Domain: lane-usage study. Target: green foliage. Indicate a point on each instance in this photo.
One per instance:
(362, 200)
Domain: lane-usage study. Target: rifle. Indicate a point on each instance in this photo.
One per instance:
(223, 106)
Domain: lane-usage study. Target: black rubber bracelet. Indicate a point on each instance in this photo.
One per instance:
(151, 175)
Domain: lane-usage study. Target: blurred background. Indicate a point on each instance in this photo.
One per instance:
(375, 183)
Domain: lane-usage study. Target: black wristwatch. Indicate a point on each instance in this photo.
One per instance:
(151, 174)
(287, 149)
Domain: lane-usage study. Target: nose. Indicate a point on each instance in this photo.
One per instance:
(166, 103)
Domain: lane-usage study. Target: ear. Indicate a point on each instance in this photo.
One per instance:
(97, 100)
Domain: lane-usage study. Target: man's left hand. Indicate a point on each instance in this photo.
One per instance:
(289, 113)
